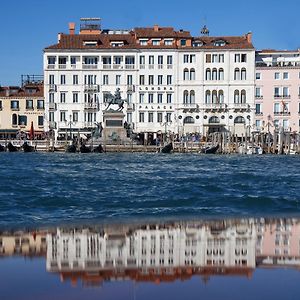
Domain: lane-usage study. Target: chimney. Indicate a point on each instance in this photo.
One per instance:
(59, 37)
(72, 28)
(156, 28)
(249, 37)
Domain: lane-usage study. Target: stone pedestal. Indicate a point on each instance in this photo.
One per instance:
(113, 129)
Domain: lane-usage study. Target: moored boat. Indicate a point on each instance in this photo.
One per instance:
(71, 149)
(85, 149)
(11, 147)
(210, 149)
(98, 149)
(2, 148)
(27, 148)
(167, 149)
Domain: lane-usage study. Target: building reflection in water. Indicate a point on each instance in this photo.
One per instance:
(163, 252)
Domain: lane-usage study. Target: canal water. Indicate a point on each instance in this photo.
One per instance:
(149, 226)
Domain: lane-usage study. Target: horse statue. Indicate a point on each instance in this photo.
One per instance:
(116, 99)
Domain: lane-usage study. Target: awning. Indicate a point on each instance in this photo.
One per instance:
(9, 131)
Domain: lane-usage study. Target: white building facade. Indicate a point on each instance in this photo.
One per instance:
(173, 82)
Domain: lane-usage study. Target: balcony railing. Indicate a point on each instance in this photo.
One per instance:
(106, 66)
(90, 105)
(215, 106)
(89, 124)
(91, 88)
(52, 87)
(51, 67)
(282, 113)
(259, 113)
(15, 108)
(52, 125)
(90, 66)
(129, 66)
(64, 66)
(282, 96)
(52, 106)
(259, 96)
(130, 88)
(117, 66)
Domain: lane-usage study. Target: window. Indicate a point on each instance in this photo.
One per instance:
(286, 124)
(183, 42)
(185, 97)
(51, 79)
(51, 60)
(207, 74)
(14, 104)
(257, 92)
(150, 117)
(118, 79)
(285, 92)
(276, 75)
(63, 97)
(75, 116)
(142, 79)
(51, 116)
(159, 79)
(142, 60)
(73, 60)
(276, 92)
(169, 79)
(169, 98)
(219, 43)
(129, 98)
(169, 59)
(62, 79)
(151, 59)
(243, 96)
(237, 58)
(236, 96)
(75, 97)
(276, 108)
(207, 97)
(168, 42)
(257, 76)
(40, 121)
(221, 74)
(160, 60)
(129, 79)
(215, 58)
(168, 117)
(214, 74)
(159, 117)
(155, 42)
(192, 74)
(159, 98)
(14, 120)
(192, 97)
(143, 42)
(221, 58)
(62, 60)
(150, 97)
(51, 97)
(92, 60)
(151, 80)
(185, 58)
(185, 74)
(29, 104)
(221, 96)
(0, 104)
(285, 75)
(23, 120)
(63, 116)
(243, 57)
(105, 80)
(40, 104)
(192, 58)
(236, 74)
(142, 97)
(75, 79)
(208, 58)
(243, 74)
(257, 123)
(141, 117)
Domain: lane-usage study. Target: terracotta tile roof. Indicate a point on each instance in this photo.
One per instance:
(161, 32)
(269, 51)
(20, 92)
(131, 40)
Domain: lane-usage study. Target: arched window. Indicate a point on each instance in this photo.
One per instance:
(239, 120)
(192, 74)
(188, 120)
(207, 97)
(185, 97)
(243, 74)
(207, 74)
(243, 96)
(192, 97)
(236, 96)
(221, 74)
(214, 119)
(214, 97)
(214, 74)
(236, 74)
(185, 74)
(14, 119)
(221, 96)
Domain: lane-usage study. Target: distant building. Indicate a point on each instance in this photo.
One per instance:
(277, 90)
(19, 108)
(173, 82)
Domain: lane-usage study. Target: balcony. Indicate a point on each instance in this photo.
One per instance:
(131, 106)
(129, 66)
(282, 96)
(215, 106)
(89, 124)
(52, 106)
(74, 66)
(240, 107)
(16, 108)
(259, 97)
(91, 105)
(258, 113)
(92, 88)
(62, 66)
(52, 125)
(106, 66)
(130, 88)
(52, 87)
(282, 113)
(90, 66)
(50, 67)
(169, 66)
(117, 66)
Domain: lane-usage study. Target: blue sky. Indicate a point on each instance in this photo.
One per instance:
(28, 26)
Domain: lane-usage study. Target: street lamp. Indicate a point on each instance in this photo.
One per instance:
(165, 124)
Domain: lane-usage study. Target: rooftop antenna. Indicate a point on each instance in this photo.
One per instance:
(204, 31)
